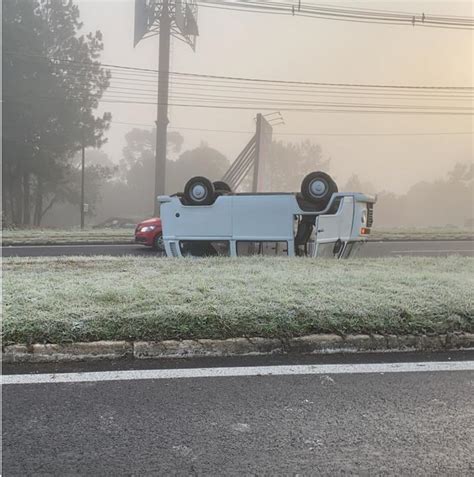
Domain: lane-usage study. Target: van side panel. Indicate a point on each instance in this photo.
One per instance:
(259, 217)
(204, 221)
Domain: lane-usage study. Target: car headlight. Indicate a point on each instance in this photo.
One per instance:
(363, 217)
(148, 228)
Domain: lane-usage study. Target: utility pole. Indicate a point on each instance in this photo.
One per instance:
(162, 111)
(83, 163)
(256, 163)
(167, 18)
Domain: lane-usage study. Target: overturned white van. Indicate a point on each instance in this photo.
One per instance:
(209, 219)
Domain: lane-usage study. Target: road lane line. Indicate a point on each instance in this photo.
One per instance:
(133, 375)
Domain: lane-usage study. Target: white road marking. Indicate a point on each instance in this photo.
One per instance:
(133, 375)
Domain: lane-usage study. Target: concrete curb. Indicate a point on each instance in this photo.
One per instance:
(43, 353)
(312, 344)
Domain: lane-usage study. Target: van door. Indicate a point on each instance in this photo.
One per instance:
(334, 231)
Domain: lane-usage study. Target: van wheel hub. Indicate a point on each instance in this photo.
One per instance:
(198, 192)
(318, 188)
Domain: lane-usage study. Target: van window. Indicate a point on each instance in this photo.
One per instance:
(205, 248)
(262, 248)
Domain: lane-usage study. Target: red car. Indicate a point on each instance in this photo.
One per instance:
(149, 233)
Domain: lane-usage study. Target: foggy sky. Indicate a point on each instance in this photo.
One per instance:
(307, 49)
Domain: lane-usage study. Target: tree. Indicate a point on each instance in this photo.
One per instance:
(52, 83)
(439, 203)
(96, 157)
(137, 167)
(201, 161)
(129, 196)
(288, 163)
(68, 191)
(462, 172)
(354, 184)
(140, 147)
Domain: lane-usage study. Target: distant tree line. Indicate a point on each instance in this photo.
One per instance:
(443, 202)
(48, 106)
(128, 192)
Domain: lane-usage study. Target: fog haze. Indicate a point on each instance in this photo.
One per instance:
(307, 49)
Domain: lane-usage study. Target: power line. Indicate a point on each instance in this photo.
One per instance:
(290, 109)
(255, 80)
(403, 12)
(315, 109)
(349, 14)
(290, 95)
(124, 82)
(306, 99)
(149, 77)
(271, 106)
(186, 89)
(214, 85)
(265, 101)
(179, 128)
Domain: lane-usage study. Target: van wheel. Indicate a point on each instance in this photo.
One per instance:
(158, 243)
(318, 188)
(221, 186)
(199, 191)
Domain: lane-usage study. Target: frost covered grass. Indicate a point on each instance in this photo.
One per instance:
(421, 233)
(44, 236)
(69, 299)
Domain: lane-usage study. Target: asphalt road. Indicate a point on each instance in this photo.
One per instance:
(371, 249)
(384, 423)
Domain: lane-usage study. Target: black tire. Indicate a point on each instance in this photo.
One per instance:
(221, 186)
(318, 188)
(199, 191)
(158, 243)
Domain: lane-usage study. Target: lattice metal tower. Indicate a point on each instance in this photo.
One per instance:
(166, 18)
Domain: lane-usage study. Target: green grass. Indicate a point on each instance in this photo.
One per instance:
(44, 236)
(112, 298)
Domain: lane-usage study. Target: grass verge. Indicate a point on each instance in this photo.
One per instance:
(421, 234)
(38, 236)
(65, 236)
(57, 300)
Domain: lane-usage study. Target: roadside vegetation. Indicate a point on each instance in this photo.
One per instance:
(114, 298)
(424, 233)
(45, 236)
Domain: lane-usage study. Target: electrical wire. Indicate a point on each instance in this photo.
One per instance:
(179, 128)
(314, 108)
(276, 103)
(350, 14)
(247, 79)
(197, 90)
(263, 94)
